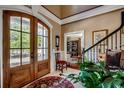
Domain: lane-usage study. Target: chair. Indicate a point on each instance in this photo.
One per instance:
(113, 59)
(61, 62)
(60, 65)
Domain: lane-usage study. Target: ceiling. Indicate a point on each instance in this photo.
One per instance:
(64, 11)
(65, 14)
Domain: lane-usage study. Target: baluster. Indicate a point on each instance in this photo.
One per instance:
(91, 54)
(94, 54)
(104, 47)
(97, 52)
(107, 44)
(100, 48)
(112, 42)
(84, 53)
(87, 57)
(120, 38)
(116, 40)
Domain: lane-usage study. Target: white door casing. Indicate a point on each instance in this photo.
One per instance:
(72, 33)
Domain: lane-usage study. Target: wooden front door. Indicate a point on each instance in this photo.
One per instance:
(42, 49)
(26, 51)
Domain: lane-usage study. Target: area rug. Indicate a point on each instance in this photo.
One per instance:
(51, 82)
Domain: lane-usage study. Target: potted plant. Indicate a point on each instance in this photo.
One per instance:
(95, 75)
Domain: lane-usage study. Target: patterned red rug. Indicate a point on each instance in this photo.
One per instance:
(51, 82)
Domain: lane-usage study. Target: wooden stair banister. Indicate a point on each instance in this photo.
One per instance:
(115, 32)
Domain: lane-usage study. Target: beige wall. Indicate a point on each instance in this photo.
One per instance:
(110, 21)
(56, 30)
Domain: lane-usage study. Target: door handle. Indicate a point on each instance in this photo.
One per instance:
(32, 55)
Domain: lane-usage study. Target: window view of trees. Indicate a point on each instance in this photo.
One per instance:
(20, 41)
(25, 40)
(16, 33)
(15, 40)
(42, 44)
(15, 23)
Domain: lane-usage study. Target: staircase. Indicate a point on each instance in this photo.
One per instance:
(114, 40)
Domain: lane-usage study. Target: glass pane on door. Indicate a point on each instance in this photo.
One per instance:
(15, 23)
(26, 25)
(45, 42)
(45, 54)
(25, 56)
(40, 30)
(40, 41)
(15, 39)
(25, 40)
(40, 55)
(19, 41)
(15, 57)
(45, 31)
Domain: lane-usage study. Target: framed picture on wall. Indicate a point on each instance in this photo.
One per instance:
(98, 35)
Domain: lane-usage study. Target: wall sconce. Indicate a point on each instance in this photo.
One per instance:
(57, 42)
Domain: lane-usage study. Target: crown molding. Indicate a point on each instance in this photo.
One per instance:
(33, 10)
(48, 14)
(51, 12)
(81, 12)
(91, 13)
(42, 11)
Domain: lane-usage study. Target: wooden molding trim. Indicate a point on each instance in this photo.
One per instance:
(51, 12)
(106, 30)
(77, 17)
(81, 12)
(71, 14)
(101, 9)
